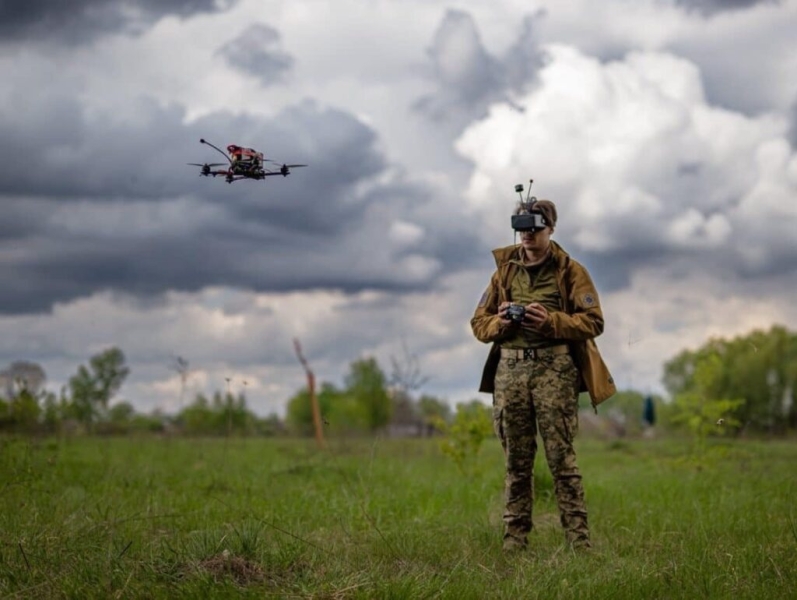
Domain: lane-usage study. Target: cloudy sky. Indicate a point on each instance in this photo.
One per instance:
(665, 131)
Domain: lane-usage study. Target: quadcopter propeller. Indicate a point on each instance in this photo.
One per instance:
(205, 167)
(284, 169)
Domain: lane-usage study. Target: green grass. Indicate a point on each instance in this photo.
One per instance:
(215, 518)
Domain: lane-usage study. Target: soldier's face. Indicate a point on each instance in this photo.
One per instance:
(536, 240)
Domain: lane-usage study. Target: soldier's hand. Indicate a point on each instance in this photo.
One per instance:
(502, 313)
(535, 316)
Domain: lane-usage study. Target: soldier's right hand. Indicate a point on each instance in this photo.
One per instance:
(502, 308)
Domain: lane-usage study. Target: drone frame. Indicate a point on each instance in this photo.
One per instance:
(232, 175)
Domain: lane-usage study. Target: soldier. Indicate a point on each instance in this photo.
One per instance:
(543, 354)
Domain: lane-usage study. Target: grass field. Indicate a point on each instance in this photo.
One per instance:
(213, 518)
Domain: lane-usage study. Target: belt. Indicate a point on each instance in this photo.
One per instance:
(533, 353)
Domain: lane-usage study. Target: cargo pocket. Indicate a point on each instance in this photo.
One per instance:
(498, 419)
(570, 423)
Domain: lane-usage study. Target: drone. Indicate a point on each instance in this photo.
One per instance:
(242, 163)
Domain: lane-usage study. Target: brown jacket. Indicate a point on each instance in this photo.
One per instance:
(579, 321)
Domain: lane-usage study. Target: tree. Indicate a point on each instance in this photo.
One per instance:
(406, 372)
(23, 384)
(110, 372)
(181, 366)
(702, 409)
(93, 387)
(121, 413)
(464, 436)
(23, 374)
(299, 412)
(25, 411)
(760, 367)
(363, 405)
(51, 413)
(197, 417)
(224, 414)
(366, 384)
(270, 425)
(311, 393)
(5, 415)
(433, 410)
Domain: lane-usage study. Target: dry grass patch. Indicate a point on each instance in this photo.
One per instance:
(224, 565)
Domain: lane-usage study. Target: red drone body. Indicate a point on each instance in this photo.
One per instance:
(244, 163)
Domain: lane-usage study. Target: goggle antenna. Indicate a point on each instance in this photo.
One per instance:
(530, 200)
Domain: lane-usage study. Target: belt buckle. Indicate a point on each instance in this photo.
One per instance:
(529, 354)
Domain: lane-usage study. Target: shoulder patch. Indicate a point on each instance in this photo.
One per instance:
(483, 299)
(588, 300)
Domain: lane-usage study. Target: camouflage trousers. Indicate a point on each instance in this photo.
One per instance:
(531, 396)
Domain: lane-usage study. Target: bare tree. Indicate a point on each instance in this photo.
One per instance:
(319, 432)
(406, 374)
(181, 366)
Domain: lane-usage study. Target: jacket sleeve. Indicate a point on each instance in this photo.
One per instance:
(584, 319)
(486, 324)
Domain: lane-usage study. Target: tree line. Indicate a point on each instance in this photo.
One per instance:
(742, 385)
(746, 384)
(369, 401)
(749, 381)
(28, 407)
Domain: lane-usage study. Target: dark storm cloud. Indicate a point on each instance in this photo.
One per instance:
(80, 21)
(709, 7)
(94, 204)
(524, 58)
(462, 66)
(468, 77)
(55, 150)
(257, 52)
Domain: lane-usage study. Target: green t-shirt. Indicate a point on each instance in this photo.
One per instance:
(534, 284)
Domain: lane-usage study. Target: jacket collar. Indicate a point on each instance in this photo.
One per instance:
(507, 253)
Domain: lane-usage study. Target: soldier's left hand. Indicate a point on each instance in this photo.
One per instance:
(535, 315)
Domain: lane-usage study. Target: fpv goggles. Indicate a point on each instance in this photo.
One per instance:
(533, 221)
